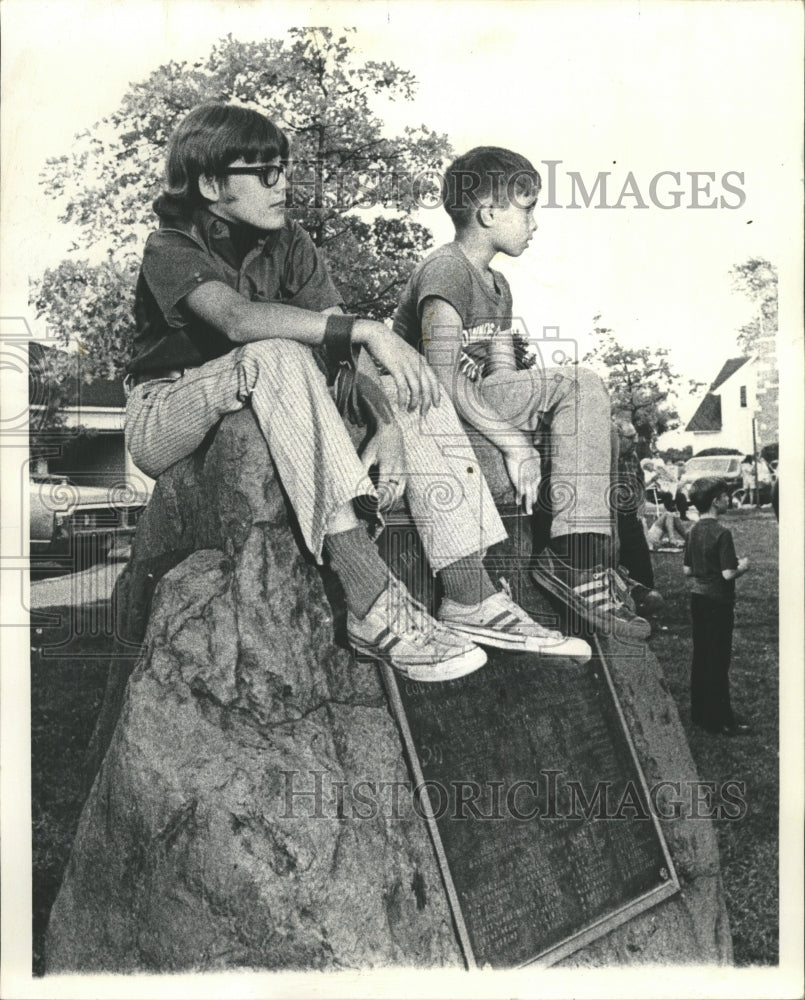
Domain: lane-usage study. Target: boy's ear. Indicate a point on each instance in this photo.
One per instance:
(486, 215)
(209, 188)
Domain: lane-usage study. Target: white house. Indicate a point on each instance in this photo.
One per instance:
(739, 409)
(725, 414)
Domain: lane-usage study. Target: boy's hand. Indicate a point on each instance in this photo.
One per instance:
(417, 385)
(743, 564)
(524, 467)
(385, 449)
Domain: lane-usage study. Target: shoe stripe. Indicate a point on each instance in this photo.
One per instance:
(593, 586)
(387, 648)
(380, 639)
(596, 599)
(505, 619)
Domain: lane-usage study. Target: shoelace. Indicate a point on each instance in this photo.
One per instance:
(617, 588)
(410, 632)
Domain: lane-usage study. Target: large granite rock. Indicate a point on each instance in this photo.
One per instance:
(195, 848)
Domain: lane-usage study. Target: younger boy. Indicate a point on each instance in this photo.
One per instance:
(458, 311)
(712, 567)
(235, 308)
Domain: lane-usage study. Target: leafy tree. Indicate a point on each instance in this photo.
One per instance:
(757, 279)
(353, 188)
(641, 384)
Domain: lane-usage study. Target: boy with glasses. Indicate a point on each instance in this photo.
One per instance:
(235, 307)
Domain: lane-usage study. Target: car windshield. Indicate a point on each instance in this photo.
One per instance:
(714, 466)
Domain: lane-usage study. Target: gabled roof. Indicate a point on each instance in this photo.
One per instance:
(729, 368)
(708, 415)
(77, 392)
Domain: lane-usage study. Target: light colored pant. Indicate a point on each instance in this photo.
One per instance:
(575, 404)
(448, 498)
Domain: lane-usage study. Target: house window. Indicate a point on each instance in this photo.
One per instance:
(743, 395)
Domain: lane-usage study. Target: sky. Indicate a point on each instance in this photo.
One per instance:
(633, 89)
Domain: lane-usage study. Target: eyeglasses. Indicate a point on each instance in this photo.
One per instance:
(269, 173)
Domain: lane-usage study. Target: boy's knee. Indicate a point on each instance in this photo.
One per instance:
(283, 360)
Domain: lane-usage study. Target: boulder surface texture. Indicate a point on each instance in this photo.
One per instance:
(197, 847)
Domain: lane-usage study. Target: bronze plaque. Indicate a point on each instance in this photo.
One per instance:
(536, 803)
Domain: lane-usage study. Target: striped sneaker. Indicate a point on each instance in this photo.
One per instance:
(498, 621)
(591, 595)
(398, 631)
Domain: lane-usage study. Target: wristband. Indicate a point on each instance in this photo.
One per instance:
(342, 361)
(338, 340)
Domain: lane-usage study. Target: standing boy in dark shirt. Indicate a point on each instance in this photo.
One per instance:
(712, 567)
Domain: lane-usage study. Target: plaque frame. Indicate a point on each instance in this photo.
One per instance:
(587, 933)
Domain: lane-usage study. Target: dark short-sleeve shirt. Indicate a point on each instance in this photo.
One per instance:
(448, 274)
(186, 251)
(709, 549)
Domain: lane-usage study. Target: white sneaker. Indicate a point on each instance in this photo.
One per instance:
(498, 621)
(398, 631)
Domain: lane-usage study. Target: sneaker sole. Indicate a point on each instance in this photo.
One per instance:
(429, 672)
(522, 643)
(624, 631)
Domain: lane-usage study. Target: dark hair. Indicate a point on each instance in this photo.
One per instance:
(211, 137)
(705, 490)
(485, 171)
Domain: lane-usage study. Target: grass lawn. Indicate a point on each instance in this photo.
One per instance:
(66, 693)
(749, 846)
(66, 690)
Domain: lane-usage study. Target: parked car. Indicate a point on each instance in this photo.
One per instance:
(733, 469)
(72, 526)
(727, 467)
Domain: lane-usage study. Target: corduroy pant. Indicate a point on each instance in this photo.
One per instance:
(576, 404)
(448, 498)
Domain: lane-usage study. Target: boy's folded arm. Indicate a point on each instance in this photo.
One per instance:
(441, 338)
(243, 321)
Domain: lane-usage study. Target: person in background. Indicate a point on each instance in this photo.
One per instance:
(712, 567)
(629, 498)
(664, 482)
(667, 533)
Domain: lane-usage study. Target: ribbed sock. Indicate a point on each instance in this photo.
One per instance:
(466, 581)
(583, 551)
(363, 574)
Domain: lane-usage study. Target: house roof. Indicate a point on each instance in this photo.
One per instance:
(708, 414)
(77, 392)
(729, 368)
